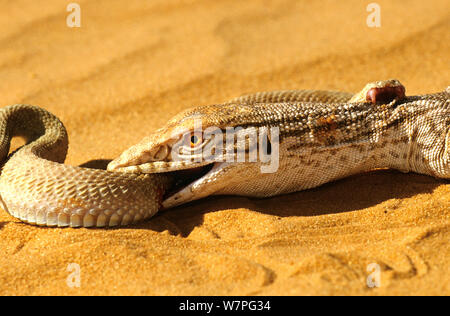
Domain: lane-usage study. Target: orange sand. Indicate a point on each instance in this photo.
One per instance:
(133, 64)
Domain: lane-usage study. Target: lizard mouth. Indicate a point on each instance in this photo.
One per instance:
(184, 181)
(187, 178)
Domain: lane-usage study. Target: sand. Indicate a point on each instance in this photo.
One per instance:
(133, 65)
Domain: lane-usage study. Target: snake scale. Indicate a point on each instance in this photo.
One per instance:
(323, 136)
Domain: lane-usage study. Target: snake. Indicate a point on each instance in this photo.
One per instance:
(319, 136)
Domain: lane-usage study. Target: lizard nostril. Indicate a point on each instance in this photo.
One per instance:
(161, 153)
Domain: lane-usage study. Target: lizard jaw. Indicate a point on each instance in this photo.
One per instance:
(196, 189)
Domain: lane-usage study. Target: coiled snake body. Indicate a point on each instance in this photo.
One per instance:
(37, 188)
(323, 136)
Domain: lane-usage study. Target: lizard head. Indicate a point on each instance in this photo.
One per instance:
(182, 142)
(191, 145)
(154, 153)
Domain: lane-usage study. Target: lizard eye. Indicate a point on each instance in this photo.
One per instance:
(195, 140)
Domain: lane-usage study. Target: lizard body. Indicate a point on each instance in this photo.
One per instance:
(323, 136)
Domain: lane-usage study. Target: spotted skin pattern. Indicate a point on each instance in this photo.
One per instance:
(324, 136)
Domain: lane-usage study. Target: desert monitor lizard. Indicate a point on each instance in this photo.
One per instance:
(319, 136)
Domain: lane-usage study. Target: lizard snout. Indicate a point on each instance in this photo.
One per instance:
(136, 156)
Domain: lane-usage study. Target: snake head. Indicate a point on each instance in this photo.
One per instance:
(383, 91)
